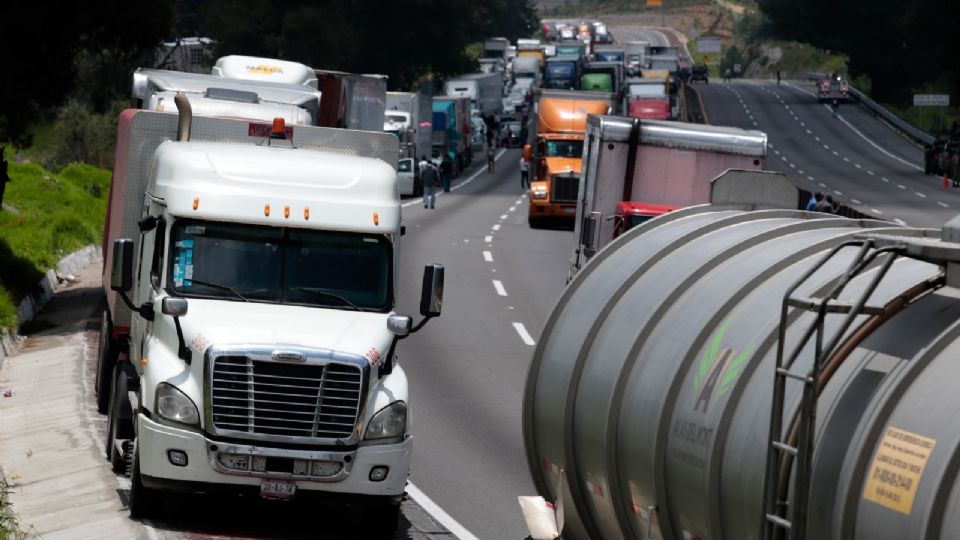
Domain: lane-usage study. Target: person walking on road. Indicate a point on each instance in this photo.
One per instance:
(446, 172)
(4, 177)
(954, 170)
(491, 155)
(835, 107)
(524, 174)
(778, 76)
(430, 179)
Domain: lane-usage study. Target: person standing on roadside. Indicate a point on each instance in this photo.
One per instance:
(778, 76)
(524, 174)
(491, 156)
(835, 107)
(430, 179)
(446, 172)
(4, 177)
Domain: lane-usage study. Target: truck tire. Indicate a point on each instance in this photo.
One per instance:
(534, 223)
(119, 421)
(143, 501)
(380, 521)
(418, 188)
(106, 358)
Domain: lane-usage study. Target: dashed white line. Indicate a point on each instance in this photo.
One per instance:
(777, 152)
(816, 138)
(487, 256)
(488, 238)
(809, 132)
(524, 335)
(792, 166)
(871, 173)
(800, 171)
(810, 178)
(823, 185)
(437, 513)
(918, 194)
(511, 209)
(855, 201)
(884, 178)
(943, 204)
(877, 212)
(496, 227)
(900, 221)
(839, 193)
(901, 186)
(518, 201)
(783, 158)
(499, 287)
(845, 158)
(857, 165)
(503, 216)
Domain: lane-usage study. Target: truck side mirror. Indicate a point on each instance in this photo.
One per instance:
(399, 325)
(121, 273)
(173, 306)
(527, 152)
(588, 233)
(431, 296)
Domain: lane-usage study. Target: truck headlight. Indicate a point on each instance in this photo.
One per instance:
(389, 422)
(172, 404)
(539, 194)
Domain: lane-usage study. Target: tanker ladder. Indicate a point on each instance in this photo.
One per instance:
(785, 515)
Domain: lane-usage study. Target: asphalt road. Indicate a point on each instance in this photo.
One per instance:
(467, 368)
(857, 158)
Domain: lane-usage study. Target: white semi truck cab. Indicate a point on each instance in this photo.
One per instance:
(250, 336)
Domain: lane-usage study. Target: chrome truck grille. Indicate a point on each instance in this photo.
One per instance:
(266, 399)
(565, 188)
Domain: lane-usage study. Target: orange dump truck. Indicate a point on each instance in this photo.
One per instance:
(560, 121)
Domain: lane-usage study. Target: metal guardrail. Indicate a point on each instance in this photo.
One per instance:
(904, 127)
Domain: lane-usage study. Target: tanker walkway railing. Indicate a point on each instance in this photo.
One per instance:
(783, 511)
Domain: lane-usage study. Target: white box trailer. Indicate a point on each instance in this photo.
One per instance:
(485, 91)
(635, 169)
(416, 137)
(351, 100)
(212, 95)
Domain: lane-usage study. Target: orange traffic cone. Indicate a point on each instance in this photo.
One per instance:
(944, 180)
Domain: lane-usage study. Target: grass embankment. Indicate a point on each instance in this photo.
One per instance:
(52, 215)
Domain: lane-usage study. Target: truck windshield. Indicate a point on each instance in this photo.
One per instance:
(609, 57)
(281, 265)
(567, 149)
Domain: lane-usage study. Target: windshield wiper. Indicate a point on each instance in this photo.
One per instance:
(218, 286)
(326, 293)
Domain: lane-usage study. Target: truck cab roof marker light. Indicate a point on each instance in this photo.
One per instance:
(266, 210)
(196, 202)
(306, 213)
(286, 211)
(376, 219)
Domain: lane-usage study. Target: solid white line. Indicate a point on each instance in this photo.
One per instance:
(943, 204)
(862, 136)
(921, 195)
(488, 238)
(455, 187)
(438, 514)
(487, 256)
(499, 287)
(524, 335)
(855, 201)
(496, 227)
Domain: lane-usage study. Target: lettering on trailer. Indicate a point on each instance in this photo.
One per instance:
(264, 69)
(718, 370)
(896, 469)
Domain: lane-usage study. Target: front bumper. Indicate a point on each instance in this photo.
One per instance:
(204, 472)
(544, 209)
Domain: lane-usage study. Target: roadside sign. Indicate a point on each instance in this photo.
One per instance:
(654, 3)
(931, 100)
(709, 44)
(736, 68)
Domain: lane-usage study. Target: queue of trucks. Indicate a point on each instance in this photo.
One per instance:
(248, 344)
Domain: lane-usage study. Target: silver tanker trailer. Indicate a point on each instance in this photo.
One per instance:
(745, 370)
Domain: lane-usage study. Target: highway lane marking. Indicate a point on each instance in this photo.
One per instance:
(901, 186)
(857, 165)
(809, 132)
(816, 138)
(418, 200)
(511, 209)
(877, 212)
(503, 216)
(855, 201)
(845, 158)
(810, 178)
(783, 158)
(488, 238)
(755, 124)
(871, 173)
(943, 204)
(822, 185)
(839, 193)
(437, 513)
(792, 166)
(800, 171)
(498, 285)
(496, 227)
(518, 201)
(918, 194)
(884, 178)
(487, 256)
(859, 133)
(777, 152)
(900, 221)
(524, 335)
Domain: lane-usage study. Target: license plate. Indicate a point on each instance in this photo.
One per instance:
(569, 210)
(282, 490)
